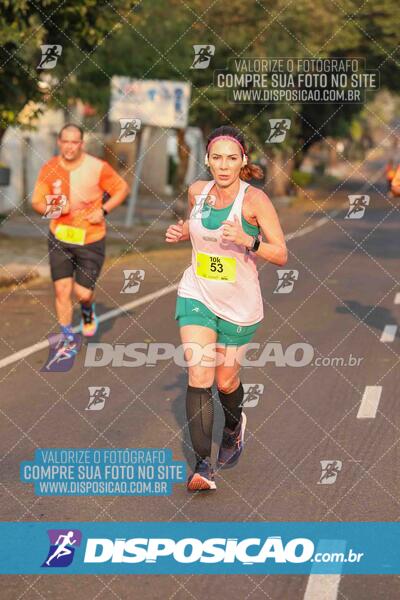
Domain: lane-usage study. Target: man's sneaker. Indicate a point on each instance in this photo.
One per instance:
(232, 445)
(202, 478)
(89, 323)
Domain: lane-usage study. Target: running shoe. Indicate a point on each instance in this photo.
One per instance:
(232, 445)
(203, 477)
(89, 323)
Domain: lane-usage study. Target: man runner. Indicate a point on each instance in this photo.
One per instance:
(77, 181)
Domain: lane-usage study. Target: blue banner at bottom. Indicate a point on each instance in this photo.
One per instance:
(200, 548)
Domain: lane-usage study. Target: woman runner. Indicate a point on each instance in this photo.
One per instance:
(219, 298)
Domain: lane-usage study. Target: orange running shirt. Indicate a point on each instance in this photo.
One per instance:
(83, 187)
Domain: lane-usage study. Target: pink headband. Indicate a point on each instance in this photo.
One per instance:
(226, 137)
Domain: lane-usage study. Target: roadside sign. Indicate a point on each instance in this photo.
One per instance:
(155, 102)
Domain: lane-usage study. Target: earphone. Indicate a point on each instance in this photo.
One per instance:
(244, 160)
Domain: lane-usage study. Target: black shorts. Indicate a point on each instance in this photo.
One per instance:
(85, 261)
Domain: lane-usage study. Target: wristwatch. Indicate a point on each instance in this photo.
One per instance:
(256, 244)
(105, 211)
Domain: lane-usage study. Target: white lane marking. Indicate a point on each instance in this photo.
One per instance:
(389, 333)
(397, 298)
(126, 307)
(324, 587)
(370, 402)
(111, 314)
(319, 223)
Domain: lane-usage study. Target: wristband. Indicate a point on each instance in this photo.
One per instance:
(256, 243)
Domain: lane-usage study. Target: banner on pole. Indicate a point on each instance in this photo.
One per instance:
(155, 102)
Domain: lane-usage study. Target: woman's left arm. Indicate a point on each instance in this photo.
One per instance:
(274, 249)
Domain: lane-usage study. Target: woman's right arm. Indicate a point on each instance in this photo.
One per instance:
(180, 231)
(191, 200)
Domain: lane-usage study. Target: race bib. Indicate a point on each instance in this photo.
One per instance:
(211, 266)
(70, 235)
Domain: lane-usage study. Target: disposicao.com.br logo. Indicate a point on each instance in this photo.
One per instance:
(148, 549)
(191, 550)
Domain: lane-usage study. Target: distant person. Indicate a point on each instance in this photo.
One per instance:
(395, 186)
(390, 171)
(77, 236)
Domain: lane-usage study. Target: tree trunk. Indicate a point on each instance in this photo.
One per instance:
(2, 132)
(332, 152)
(278, 175)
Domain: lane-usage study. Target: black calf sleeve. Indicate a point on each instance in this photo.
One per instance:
(200, 416)
(231, 403)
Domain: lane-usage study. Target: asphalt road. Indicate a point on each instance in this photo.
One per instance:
(341, 303)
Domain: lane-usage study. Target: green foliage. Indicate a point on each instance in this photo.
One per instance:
(301, 179)
(24, 25)
(356, 130)
(160, 46)
(154, 40)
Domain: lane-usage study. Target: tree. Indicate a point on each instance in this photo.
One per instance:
(157, 42)
(26, 24)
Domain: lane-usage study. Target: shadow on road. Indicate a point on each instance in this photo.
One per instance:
(371, 315)
(380, 244)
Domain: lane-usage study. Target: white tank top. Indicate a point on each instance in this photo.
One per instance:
(222, 275)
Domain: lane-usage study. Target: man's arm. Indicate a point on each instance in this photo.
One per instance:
(39, 203)
(114, 185)
(42, 195)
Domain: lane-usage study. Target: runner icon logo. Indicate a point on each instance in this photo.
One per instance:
(54, 206)
(62, 547)
(97, 397)
(128, 130)
(329, 471)
(202, 206)
(278, 130)
(62, 353)
(357, 206)
(50, 55)
(133, 279)
(252, 393)
(287, 277)
(202, 56)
